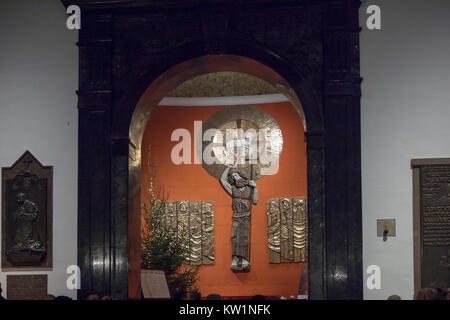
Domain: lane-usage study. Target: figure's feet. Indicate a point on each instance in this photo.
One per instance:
(245, 265)
(235, 264)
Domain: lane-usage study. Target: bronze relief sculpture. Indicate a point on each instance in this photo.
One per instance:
(300, 225)
(274, 230)
(244, 192)
(207, 220)
(27, 215)
(243, 136)
(27, 235)
(246, 145)
(194, 221)
(287, 221)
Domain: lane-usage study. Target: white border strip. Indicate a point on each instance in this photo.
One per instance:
(222, 101)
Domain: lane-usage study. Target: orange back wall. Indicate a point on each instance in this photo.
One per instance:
(190, 182)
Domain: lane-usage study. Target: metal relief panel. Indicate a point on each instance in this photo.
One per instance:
(245, 118)
(287, 229)
(287, 232)
(208, 232)
(195, 232)
(194, 221)
(273, 230)
(27, 215)
(300, 229)
(171, 216)
(183, 219)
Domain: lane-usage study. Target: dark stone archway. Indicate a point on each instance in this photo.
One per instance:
(135, 51)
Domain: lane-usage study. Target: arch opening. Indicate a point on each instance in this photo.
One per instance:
(146, 105)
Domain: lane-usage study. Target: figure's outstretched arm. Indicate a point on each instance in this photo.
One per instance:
(255, 195)
(255, 191)
(224, 181)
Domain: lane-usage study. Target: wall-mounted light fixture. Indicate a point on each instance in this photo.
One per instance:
(386, 228)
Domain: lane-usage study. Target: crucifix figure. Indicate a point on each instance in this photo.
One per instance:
(244, 192)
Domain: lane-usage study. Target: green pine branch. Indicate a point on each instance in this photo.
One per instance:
(166, 249)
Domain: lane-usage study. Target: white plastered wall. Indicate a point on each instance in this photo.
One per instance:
(38, 79)
(405, 115)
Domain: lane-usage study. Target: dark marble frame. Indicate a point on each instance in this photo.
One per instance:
(313, 46)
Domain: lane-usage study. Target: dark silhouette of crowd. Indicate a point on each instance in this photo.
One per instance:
(427, 294)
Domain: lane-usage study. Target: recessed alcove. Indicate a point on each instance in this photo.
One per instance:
(154, 121)
(191, 182)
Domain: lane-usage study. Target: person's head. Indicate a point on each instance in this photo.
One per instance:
(239, 178)
(441, 294)
(426, 294)
(93, 296)
(273, 205)
(214, 296)
(63, 298)
(258, 297)
(20, 197)
(394, 297)
(179, 295)
(183, 206)
(193, 295)
(285, 204)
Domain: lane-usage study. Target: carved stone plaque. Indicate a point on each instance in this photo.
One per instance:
(431, 183)
(193, 220)
(27, 215)
(27, 287)
(287, 221)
